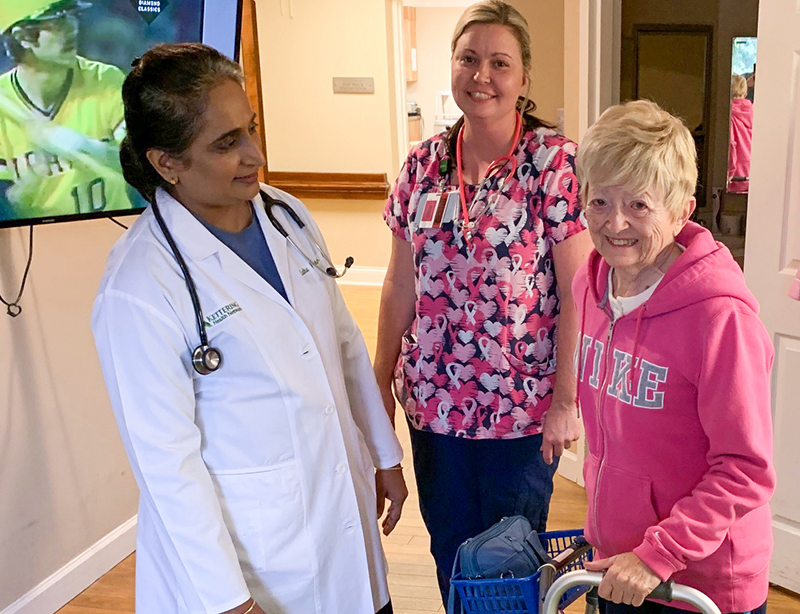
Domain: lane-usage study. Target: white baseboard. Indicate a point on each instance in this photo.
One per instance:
(360, 276)
(77, 575)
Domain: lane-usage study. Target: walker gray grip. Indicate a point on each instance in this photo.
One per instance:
(663, 591)
(593, 578)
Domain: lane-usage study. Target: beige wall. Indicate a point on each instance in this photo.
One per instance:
(546, 24)
(308, 127)
(571, 72)
(64, 478)
(311, 129)
(353, 228)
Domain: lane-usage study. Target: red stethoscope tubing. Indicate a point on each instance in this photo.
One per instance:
(496, 163)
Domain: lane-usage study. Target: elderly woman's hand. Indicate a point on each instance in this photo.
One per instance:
(627, 579)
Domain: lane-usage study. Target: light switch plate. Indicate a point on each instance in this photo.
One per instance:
(353, 85)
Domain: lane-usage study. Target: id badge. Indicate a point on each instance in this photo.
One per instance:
(438, 208)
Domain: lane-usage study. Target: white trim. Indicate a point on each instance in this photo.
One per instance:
(77, 575)
(600, 36)
(397, 77)
(359, 276)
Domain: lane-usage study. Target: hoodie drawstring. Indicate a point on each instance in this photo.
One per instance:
(579, 372)
(635, 348)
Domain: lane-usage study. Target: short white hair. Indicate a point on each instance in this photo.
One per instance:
(640, 147)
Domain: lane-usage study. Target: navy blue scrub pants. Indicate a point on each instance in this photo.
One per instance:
(465, 486)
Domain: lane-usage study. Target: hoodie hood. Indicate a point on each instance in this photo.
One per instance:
(704, 270)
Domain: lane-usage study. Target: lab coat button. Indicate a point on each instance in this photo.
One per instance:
(329, 410)
(341, 468)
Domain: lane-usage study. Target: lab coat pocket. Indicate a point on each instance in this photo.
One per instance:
(242, 516)
(265, 514)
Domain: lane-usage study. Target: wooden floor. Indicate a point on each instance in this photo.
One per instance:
(411, 571)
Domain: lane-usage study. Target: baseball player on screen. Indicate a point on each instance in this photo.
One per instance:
(61, 118)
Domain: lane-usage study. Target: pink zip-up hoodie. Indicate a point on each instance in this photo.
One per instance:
(680, 446)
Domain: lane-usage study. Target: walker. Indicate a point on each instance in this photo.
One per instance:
(557, 584)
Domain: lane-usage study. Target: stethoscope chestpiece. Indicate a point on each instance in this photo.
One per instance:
(206, 359)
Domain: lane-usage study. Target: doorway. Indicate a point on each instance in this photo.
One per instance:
(683, 55)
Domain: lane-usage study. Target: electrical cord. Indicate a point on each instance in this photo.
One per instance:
(13, 308)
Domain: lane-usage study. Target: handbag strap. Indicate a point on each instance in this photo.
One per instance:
(534, 542)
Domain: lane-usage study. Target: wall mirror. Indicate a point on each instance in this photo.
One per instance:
(743, 76)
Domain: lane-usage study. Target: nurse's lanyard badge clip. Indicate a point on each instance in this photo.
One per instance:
(497, 164)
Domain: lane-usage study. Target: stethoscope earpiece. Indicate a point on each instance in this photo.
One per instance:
(206, 359)
(330, 269)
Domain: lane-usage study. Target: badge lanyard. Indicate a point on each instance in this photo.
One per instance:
(496, 164)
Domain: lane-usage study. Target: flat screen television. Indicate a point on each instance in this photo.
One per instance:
(62, 64)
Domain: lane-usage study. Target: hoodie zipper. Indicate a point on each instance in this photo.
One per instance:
(602, 432)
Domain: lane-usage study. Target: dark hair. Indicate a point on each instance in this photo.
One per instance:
(165, 97)
(27, 29)
(14, 37)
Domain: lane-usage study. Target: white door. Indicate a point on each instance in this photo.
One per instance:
(772, 257)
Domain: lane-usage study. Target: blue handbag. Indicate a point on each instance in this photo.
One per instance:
(509, 548)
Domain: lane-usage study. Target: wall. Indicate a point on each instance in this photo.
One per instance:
(571, 73)
(311, 129)
(308, 127)
(354, 228)
(64, 478)
(546, 25)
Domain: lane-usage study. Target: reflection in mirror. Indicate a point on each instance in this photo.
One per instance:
(743, 72)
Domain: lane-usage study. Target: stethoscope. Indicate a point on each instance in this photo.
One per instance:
(497, 164)
(206, 358)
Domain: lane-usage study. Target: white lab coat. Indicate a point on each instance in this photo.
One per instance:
(256, 479)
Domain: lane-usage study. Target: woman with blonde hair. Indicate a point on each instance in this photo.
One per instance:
(476, 322)
(673, 383)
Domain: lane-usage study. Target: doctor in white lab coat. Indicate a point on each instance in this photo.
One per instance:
(258, 487)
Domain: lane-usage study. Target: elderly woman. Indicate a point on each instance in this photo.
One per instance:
(673, 379)
(741, 137)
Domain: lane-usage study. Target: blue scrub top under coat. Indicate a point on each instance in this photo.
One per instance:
(251, 246)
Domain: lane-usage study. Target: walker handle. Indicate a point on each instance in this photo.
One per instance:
(663, 591)
(679, 592)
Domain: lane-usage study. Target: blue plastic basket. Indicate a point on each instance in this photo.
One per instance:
(519, 595)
